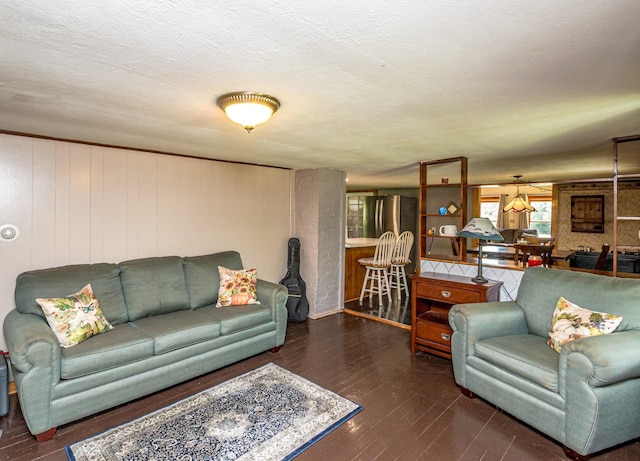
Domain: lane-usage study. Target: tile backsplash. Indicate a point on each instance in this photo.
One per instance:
(510, 278)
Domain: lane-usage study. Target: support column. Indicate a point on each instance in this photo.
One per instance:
(319, 222)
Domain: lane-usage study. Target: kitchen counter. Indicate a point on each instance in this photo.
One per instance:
(354, 272)
(360, 242)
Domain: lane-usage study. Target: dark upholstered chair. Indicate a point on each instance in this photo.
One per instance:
(602, 259)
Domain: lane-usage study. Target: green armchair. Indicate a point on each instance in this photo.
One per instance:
(587, 396)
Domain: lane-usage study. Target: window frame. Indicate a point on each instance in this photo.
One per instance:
(490, 199)
(533, 199)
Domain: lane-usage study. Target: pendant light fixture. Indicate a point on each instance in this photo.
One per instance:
(248, 108)
(519, 203)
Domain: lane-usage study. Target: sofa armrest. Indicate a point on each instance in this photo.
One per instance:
(271, 294)
(477, 321)
(34, 352)
(275, 296)
(31, 343)
(603, 360)
(599, 380)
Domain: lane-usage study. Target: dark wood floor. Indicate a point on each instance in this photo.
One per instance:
(412, 408)
(397, 312)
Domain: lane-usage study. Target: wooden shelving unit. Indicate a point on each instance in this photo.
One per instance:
(436, 193)
(617, 177)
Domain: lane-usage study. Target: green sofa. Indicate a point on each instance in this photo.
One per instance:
(586, 397)
(166, 330)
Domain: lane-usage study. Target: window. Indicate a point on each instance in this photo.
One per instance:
(355, 210)
(541, 218)
(489, 209)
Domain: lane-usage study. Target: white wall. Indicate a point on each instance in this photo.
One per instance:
(76, 203)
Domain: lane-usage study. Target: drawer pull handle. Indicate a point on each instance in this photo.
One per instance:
(445, 336)
(446, 294)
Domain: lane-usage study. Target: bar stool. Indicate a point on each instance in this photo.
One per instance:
(377, 275)
(397, 275)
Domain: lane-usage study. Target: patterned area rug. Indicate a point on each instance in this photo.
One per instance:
(266, 414)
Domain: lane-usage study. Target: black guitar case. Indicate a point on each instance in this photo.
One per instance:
(297, 303)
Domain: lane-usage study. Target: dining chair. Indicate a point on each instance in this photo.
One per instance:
(525, 251)
(401, 258)
(377, 275)
(602, 258)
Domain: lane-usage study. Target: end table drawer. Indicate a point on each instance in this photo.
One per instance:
(446, 294)
(432, 296)
(438, 333)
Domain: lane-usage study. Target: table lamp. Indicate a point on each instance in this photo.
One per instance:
(481, 229)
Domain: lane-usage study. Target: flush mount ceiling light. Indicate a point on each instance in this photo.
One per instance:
(248, 108)
(518, 204)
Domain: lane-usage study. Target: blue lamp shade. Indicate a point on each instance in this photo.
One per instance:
(481, 228)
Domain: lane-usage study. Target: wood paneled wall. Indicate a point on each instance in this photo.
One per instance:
(77, 203)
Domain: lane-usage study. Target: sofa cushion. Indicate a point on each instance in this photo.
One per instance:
(236, 318)
(124, 344)
(237, 288)
(511, 236)
(178, 329)
(524, 234)
(153, 286)
(571, 321)
(507, 235)
(58, 282)
(75, 317)
(202, 278)
(524, 355)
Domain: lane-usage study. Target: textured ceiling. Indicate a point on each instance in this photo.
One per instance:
(537, 88)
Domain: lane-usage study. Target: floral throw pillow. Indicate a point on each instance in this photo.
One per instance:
(75, 317)
(571, 321)
(237, 288)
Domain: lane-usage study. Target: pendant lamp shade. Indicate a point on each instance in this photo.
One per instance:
(519, 203)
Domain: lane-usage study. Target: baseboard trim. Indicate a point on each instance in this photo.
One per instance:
(12, 387)
(377, 319)
(326, 314)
